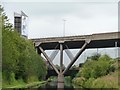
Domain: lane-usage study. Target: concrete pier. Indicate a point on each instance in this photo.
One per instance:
(60, 81)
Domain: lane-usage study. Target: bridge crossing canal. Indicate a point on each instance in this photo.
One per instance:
(82, 42)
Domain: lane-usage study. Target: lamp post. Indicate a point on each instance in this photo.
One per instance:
(64, 27)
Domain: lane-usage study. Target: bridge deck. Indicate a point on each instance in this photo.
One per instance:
(100, 40)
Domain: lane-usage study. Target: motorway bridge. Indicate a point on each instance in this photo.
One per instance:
(81, 42)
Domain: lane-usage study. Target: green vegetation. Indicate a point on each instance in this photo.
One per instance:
(27, 85)
(0, 51)
(68, 81)
(20, 63)
(98, 72)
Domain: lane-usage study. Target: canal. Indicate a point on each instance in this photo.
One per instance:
(52, 84)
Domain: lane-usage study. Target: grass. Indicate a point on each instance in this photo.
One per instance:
(0, 85)
(0, 80)
(21, 84)
(108, 81)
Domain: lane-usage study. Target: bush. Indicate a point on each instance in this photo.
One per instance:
(89, 83)
(79, 81)
(95, 69)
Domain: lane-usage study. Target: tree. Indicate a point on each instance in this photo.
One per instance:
(19, 58)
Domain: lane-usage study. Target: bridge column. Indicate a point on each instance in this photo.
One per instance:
(61, 57)
(60, 81)
(60, 75)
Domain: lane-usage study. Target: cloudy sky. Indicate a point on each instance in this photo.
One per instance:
(46, 18)
(82, 16)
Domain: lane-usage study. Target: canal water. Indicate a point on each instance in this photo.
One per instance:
(53, 85)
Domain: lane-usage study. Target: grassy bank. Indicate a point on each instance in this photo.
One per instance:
(108, 81)
(100, 73)
(21, 84)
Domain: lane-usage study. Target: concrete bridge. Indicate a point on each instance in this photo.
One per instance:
(82, 42)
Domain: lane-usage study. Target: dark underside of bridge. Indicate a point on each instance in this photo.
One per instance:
(72, 73)
(78, 44)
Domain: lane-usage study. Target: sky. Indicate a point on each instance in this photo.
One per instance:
(46, 17)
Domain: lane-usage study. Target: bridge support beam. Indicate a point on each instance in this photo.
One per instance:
(68, 52)
(60, 75)
(54, 54)
(48, 59)
(77, 56)
(61, 57)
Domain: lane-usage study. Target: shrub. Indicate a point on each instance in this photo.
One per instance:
(79, 81)
(89, 83)
(95, 69)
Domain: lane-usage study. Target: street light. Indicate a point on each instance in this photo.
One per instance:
(64, 27)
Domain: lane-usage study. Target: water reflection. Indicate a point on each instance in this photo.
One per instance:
(53, 84)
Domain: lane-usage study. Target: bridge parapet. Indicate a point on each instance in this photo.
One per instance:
(103, 36)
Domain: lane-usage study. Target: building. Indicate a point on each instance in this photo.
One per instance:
(21, 23)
